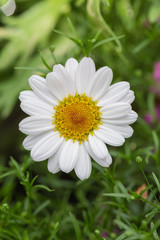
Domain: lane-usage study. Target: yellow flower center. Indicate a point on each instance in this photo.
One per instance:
(76, 117)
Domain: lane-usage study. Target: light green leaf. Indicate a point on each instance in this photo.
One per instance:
(154, 12)
(102, 42)
(156, 181)
(121, 195)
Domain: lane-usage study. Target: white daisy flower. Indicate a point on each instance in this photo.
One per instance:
(8, 7)
(74, 113)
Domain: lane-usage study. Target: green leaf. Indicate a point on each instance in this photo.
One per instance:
(33, 180)
(102, 42)
(121, 187)
(141, 46)
(8, 173)
(154, 11)
(33, 69)
(122, 225)
(151, 214)
(73, 28)
(121, 195)
(125, 12)
(155, 234)
(77, 41)
(40, 186)
(94, 10)
(156, 181)
(76, 226)
(41, 207)
(44, 61)
(156, 141)
(20, 173)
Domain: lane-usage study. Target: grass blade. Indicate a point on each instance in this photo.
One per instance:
(76, 226)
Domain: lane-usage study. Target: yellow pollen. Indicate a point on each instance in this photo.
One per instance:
(76, 117)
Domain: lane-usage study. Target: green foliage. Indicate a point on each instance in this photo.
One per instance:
(36, 205)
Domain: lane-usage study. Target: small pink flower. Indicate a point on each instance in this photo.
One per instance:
(104, 235)
(148, 118)
(156, 73)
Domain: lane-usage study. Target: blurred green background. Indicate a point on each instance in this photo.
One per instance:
(123, 34)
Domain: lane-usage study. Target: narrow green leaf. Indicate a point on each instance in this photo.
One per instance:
(40, 186)
(6, 174)
(156, 141)
(121, 187)
(122, 225)
(33, 180)
(151, 214)
(41, 207)
(156, 181)
(155, 234)
(122, 236)
(18, 168)
(44, 61)
(141, 46)
(32, 69)
(97, 35)
(76, 226)
(77, 41)
(102, 42)
(61, 33)
(121, 195)
(73, 28)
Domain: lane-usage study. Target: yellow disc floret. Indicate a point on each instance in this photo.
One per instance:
(76, 117)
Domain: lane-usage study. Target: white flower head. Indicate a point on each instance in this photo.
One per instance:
(74, 113)
(8, 7)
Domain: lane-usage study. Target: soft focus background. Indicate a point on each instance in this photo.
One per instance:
(121, 202)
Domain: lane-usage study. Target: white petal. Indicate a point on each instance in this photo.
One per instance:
(31, 140)
(9, 7)
(109, 136)
(97, 146)
(69, 156)
(115, 110)
(60, 83)
(36, 109)
(25, 95)
(71, 66)
(100, 83)
(53, 162)
(126, 131)
(38, 84)
(128, 119)
(46, 146)
(56, 67)
(83, 165)
(104, 162)
(129, 97)
(33, 105)
(36, 124)
(84, 74)
(115, 93)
